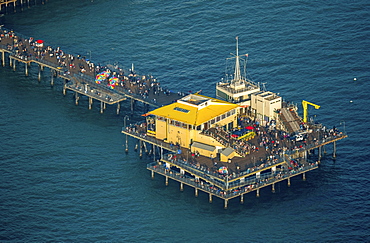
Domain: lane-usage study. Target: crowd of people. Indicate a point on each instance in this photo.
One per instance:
(144, 87)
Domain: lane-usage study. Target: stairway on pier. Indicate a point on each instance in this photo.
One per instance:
(290, 119)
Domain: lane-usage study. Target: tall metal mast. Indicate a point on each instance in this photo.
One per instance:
(237, 77)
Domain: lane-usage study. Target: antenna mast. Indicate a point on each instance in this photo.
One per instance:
(237, 64)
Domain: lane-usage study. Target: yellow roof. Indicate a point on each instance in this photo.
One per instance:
(192, 114)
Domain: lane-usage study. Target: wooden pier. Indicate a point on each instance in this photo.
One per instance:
(213, 188)
(244, 175)
(8, 5)
(246, 170)
(77, 74)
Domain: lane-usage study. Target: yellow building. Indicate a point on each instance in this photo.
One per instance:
(185, 123)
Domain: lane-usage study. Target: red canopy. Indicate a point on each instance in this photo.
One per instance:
(249, 127)
(39, 41)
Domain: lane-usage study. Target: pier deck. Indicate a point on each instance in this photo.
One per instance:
(212, 187)
(280, 159)
(4, 4)
(79, 73)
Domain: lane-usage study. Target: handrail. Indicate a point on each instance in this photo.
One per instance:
(231, 190)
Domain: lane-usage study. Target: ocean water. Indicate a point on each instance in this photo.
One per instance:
(64, 175)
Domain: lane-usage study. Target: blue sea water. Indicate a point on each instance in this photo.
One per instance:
(64, 175)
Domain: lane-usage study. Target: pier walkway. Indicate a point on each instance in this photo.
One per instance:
(79, 73)
(227, 189)
(12, 4)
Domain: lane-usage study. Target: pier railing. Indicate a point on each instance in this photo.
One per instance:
(234, 180)
(46, 63)
(4, 47)
(118, 90)
(82, 78)
(149, 139)
(318, 143)
(198, 170)
(225, 190)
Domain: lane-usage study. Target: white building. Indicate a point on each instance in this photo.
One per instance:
(265, 105)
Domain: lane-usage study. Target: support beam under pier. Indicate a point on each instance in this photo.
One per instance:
(90, 103)
(118, 108)
(334, 149)
(225, 203)
(26, 68)
(3, 58)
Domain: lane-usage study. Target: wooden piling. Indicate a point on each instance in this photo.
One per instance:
(145, 148)
(3, 58)
(76, 98)
(118, 108)
(153, 151)
(101, 107)
(126, 149)
(334, 149)
(90, 102)
(39, 74)
(26, 68)
(140, 149)
(52, 78)
(132, 105)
